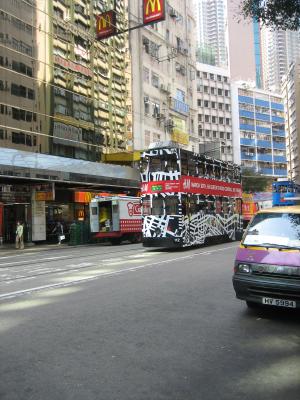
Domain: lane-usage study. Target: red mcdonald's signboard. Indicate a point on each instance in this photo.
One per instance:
(153, 11)
(106, 24)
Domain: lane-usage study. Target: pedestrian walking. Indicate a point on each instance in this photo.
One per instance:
(59, 230)
(19, 236)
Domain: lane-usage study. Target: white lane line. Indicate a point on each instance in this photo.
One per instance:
(105, 274)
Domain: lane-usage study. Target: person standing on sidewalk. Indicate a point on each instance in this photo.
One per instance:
(59, 229)
(19, 236)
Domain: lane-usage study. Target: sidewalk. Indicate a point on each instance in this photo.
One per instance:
(9, 249)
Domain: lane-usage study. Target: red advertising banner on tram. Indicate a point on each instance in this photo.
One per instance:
(190, 184)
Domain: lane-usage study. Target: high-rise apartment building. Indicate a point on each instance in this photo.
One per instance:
(258, 126)
(63, 103)
(214, 112)
(291, 95)
(243, 45)
(211, 24)
(279, 50)
(20, 111)
(164, 77)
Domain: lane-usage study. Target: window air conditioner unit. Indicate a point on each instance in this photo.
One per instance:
(146, 99)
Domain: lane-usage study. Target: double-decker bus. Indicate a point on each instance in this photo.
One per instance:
(188, 198)
(285, 193)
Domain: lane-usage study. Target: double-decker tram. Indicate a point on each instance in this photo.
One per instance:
(188, 198)
(285, 193)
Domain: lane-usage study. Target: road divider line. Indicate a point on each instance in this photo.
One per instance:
(105, 274)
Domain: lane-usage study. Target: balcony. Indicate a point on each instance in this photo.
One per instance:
(262, 117)
(279, 159)
(248, 156)
(247, 114)
(261, 129)
(280, 172)
(278, 133)
(279, 146)
(262, 103)
(265, 171)
(247, 142)
(277, 106)
(179, 106)
(246, 99)
(247, 127)
(264, 143)
(280, 120)
(264, 157)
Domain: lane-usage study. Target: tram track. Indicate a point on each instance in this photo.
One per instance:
(12, 264)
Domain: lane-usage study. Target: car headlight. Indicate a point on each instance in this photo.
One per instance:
(244, 268)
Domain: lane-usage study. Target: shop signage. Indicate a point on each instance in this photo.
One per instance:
(153, 11)
(45, 192)
(106, 24)
(72, 65)
(209, 187)
(44, 196)
(179, 133)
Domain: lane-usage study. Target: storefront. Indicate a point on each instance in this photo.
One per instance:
(40, 190)
(15, 206)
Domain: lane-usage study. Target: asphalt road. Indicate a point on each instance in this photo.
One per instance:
(126, 323)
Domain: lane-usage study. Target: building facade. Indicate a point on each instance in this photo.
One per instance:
(164, 77)
(291, 95)
(259, 128)
(279, 50)
(63, 103)
(214, 111)
(212, 27)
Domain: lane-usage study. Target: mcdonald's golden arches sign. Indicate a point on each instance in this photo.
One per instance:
(153, 11)
(106, 24)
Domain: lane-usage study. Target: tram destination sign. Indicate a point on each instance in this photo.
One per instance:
(189, 184)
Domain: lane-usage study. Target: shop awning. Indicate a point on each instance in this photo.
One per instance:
(34, 166)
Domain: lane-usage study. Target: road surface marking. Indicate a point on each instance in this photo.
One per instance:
(105, 274)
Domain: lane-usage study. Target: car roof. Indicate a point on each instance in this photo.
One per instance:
(282, 209)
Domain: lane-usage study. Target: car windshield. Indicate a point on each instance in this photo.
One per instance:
(274, 229)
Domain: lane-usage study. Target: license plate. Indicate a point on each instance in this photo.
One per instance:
(278, 302)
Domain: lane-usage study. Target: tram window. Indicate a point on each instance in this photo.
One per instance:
(184, 204)
(144, 166)
(201, 168)
(225, 205)
(155, 164)
(202, 203)
(171, 164)
(209, 170)
(217, 172)
(158, 206)
(146, 205)
(192, 167)
(171, 203)
(193, 204)
(210, 204)
(184, 163)
(236, 175)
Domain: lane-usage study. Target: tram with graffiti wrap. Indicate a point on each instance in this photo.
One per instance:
(189, 199)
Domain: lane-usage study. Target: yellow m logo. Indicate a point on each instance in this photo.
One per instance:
(155, 5)
(104, 22)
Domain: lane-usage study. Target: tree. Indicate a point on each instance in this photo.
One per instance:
(279, 14)
(253, 182)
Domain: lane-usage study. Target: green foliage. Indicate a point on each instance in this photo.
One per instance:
(279, 14)
(253, 182)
